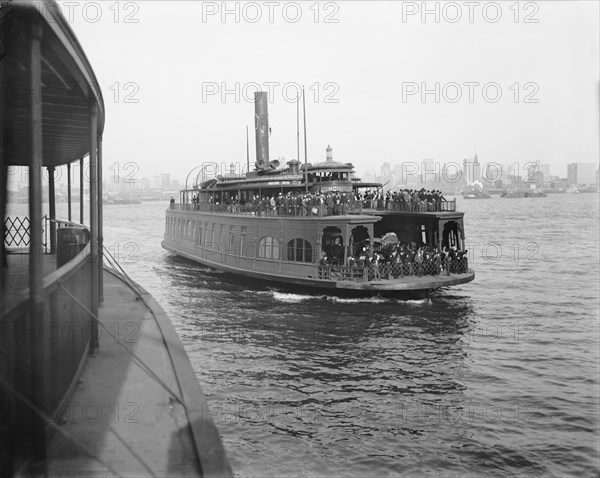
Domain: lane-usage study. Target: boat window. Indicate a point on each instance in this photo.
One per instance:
(268, 248)
(242, 238)
(199, 237)
(299, 250)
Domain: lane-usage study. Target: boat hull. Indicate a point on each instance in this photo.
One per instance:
(403, 288)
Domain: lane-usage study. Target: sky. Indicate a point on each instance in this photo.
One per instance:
(385, 81)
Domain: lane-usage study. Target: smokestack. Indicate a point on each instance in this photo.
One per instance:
(261, 123)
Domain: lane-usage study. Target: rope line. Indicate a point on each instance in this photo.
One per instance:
(135, 358)
(21, 398)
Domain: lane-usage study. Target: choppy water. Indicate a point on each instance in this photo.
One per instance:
(497, 377)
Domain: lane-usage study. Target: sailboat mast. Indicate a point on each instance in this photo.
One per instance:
(305, 153)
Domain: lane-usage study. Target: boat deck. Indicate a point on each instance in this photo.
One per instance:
(125, 416)
(129, 420)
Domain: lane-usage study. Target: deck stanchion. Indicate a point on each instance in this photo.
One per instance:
(69, 191)
(94, 253)
(81, 191)
(100, 227)
(52, 205)
(37, 377)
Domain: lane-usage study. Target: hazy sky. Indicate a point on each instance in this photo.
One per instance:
(517, 82)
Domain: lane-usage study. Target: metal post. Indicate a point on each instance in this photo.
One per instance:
(69, 189)
(3, 191)
(81, 191)
(94, 226)
(100, 228)
(36, 273)
(52, 204)
(305, 151)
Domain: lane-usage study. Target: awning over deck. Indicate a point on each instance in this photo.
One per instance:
(56, 75)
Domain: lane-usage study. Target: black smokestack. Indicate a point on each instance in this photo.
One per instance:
(261, 124)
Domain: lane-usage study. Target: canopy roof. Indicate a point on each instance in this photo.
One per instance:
(68, 88)
(329, 166)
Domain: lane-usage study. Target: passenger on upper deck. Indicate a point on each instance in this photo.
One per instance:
(330, 203)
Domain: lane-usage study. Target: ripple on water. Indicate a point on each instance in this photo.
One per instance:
(497, 377)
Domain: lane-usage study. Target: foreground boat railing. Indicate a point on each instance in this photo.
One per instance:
(392, 271)
(42, 356)
(320, 210)
(17, 233)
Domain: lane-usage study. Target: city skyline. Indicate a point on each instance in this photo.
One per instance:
(382, 82)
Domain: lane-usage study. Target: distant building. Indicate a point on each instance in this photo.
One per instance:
(581, 174)
(411, 175)
(155, 182)
(471, 169)
(145, 184)
(369, 176)
(386, 173)
(430, 173)
(165, 181)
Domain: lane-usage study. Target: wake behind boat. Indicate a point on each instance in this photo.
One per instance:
(317, 226)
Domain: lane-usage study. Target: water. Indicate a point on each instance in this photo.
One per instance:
(496, 377)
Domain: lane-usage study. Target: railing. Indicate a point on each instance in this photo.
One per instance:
(448, 206)
(41, 355)
(389, 271)
(344, 273)
(17, 232)
(403, 206)
(320, 210)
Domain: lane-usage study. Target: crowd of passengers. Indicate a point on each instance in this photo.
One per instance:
(292, 204)
(331, 203)
(400, 260)
(421, 200)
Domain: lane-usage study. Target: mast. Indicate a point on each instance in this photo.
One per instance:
(298, 127)
(305, 154)
(247, 152)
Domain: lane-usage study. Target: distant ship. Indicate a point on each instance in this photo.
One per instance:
(121, 198)
(310, 227)
(523, 193)
(476, 196)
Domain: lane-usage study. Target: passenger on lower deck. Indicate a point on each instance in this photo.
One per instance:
(402, 260)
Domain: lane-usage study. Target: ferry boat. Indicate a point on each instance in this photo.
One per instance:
(94, 380)
(316, 226)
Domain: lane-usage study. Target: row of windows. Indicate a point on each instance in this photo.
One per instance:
(298, 250)
(184, 226)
